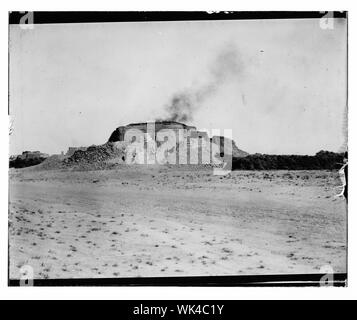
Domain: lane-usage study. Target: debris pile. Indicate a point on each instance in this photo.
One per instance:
(52, 162)
(97, 157)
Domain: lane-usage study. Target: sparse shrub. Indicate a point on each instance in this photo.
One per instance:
(323, 160)
(23, 163)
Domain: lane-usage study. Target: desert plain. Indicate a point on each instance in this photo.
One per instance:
(152, 221)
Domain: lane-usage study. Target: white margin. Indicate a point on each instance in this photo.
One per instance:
(134, 293)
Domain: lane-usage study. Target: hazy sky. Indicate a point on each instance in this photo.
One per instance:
(280, 85)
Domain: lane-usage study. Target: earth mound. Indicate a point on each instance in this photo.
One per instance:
(97, 157)
(94, 158)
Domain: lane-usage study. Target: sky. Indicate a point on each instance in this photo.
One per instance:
(279, 85)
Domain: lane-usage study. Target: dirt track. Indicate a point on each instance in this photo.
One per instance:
(160, 221)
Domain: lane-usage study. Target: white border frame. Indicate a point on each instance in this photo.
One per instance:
(135, 293)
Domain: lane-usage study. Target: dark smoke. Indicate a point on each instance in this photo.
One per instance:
(183, 104)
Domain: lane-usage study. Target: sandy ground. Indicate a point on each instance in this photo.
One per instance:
(158, 221)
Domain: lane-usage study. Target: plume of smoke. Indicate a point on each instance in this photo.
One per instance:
(183, 104)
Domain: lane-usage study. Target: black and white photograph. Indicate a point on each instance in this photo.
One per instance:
(177, 145)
